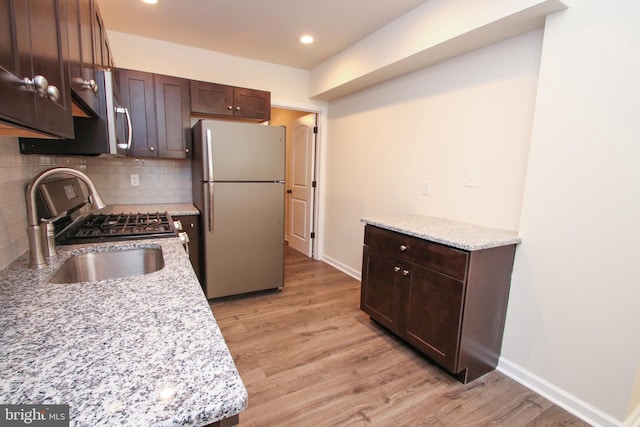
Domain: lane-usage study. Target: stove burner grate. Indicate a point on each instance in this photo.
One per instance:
(100, 227)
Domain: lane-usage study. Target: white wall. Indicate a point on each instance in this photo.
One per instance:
(572, 325)
(573, 315)
(471, 112)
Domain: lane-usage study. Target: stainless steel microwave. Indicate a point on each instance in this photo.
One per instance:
(108, 133)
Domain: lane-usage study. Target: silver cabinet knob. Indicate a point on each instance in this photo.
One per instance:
(186, 150)
(405, 272)
(396, 269)
(403, 248)
(91, 85)
(237, 108)
(38, 84)
(53, 93)
(152, 148)
(230, 107)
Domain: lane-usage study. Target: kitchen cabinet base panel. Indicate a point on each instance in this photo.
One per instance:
(227, 422)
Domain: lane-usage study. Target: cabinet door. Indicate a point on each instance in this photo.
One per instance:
(251, 104)
(101, 47)
(15, 64)
(433, 315)
(381, 293)
(48, 55)
(211, 98)
(136, 90)
(173, 109)
(191, 227)
(81, 54)
(31, 44)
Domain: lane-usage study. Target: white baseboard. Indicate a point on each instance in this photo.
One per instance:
(558, 396)
(342, 267)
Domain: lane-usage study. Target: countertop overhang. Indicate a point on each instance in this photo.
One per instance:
(143, 350)
(447, 232)
(172, 208)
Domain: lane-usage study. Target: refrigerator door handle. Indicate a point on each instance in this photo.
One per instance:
(208, 204)
(207, 158)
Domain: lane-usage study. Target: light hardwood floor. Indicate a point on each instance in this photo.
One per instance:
(309, 357)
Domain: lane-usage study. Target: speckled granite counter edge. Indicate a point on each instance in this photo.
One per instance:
(456, 234)
(143, 350)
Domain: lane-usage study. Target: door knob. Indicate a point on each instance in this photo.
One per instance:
(38, 84)
(53, 93)
(91, 85)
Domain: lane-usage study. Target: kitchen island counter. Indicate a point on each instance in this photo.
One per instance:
(447, 232)
(142, 350)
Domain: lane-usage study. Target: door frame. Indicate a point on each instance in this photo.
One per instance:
(319, 168)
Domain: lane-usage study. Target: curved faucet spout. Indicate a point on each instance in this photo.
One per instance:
(36, 256)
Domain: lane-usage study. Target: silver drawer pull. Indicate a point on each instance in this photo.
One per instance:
(403, 248)
(405, 272)
(396, 269)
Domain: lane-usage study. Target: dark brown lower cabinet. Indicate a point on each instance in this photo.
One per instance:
(448, 304)
(191, 227)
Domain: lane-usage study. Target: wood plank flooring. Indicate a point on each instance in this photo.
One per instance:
(309, 357)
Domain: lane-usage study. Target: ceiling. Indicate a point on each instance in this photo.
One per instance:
(257, 29)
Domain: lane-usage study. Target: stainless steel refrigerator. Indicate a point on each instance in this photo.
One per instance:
(238, 187)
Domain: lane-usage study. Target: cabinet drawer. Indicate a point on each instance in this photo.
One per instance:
(443, 259)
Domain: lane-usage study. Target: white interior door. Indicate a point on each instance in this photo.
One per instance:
(300, 186)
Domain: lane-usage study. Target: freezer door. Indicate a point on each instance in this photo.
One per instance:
(243, 152)
(244, 238)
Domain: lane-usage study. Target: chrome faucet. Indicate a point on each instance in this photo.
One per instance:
(37, 257)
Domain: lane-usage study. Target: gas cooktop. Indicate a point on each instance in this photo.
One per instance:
(115, 227)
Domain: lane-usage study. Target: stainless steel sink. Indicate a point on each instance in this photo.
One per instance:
(94, 266)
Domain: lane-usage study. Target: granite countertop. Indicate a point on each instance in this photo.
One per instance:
(144, 350)
(172, 208)
(448, 232)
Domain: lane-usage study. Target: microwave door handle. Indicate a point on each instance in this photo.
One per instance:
(121, 110)
(129, 128)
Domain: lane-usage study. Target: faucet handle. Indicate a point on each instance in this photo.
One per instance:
(47, 231)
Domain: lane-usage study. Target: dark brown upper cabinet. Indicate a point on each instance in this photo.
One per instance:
(103, 56)
(160, 114)
(228, 101)
(174, 117)
(34, 74)
(82, 65)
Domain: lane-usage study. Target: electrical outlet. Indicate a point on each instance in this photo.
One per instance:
(471, 178)
(135, 180)
(426, 187)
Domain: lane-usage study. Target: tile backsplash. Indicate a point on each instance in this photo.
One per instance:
(161, 181)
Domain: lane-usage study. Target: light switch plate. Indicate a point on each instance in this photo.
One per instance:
(135, 180)
(471, 178)
(426, 187)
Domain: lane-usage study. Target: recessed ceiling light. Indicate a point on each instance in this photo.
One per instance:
(150, 1)
(306, 39)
